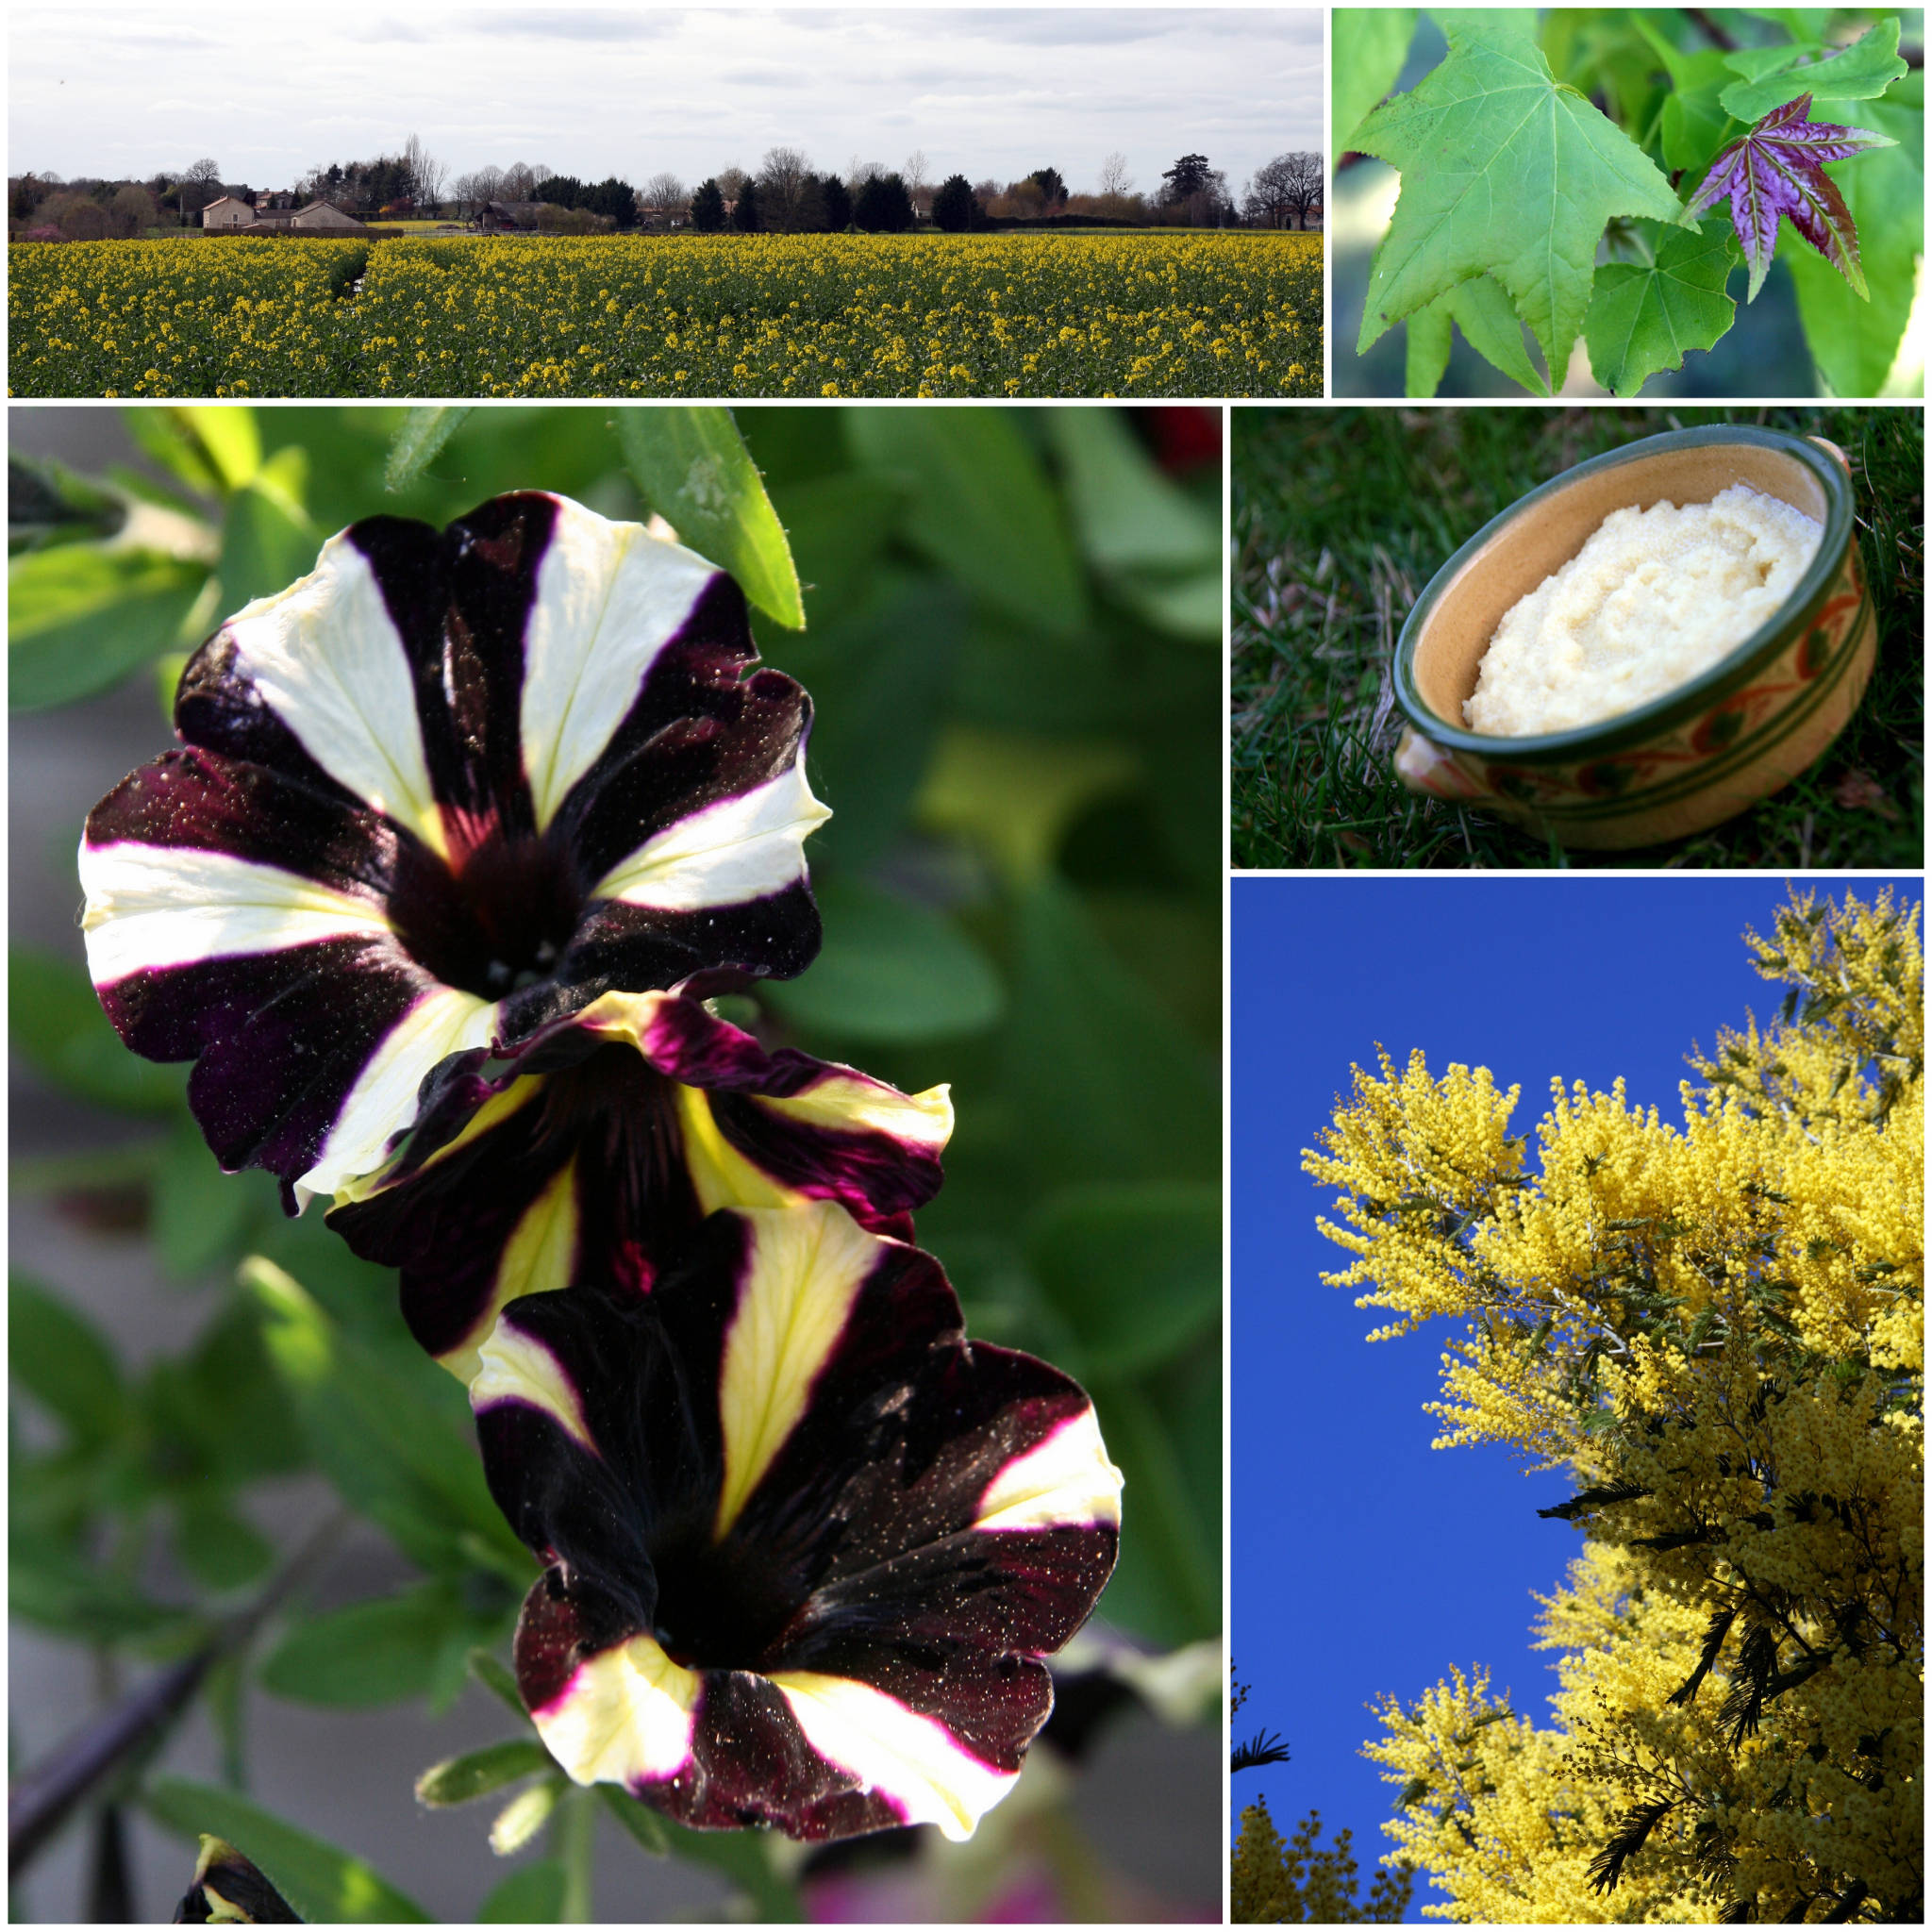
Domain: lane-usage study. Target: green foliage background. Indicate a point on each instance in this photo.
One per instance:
(1574, 130)
(1010, 631)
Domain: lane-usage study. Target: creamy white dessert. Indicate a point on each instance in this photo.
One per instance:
(1655, 597)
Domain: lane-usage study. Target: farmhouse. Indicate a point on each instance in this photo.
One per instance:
(515, 216)
(226, 213)
(327, 218)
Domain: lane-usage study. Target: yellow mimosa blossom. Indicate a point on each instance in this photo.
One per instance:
(1718, 1329)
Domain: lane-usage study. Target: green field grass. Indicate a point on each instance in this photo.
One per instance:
(1341, 518)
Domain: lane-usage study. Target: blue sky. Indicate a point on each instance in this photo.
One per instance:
(1364, 1561)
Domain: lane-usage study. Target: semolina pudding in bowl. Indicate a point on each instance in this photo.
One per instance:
(1645, 645)
(1656, 596)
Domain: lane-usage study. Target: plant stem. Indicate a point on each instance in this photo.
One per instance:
(42, 1797)
(576, 1846)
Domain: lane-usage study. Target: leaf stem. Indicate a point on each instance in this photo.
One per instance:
(577, 1845)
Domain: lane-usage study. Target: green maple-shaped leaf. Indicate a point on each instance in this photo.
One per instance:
(1862, 70)
(1505, 172)
(1643, 315)
(1489, 327)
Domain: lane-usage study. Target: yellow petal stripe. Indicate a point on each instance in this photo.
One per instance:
(721, 1175)
(850, 1104)
(627, 1715)
(803, 1273)
(538, 1258)
(515, 1367)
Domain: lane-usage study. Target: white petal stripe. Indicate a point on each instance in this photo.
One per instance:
(806, 1267)
(152, 906)
(609, 597)
(383, 1100)
(516, 1367)
(625, 1716)
(916, 1764)
(330, 663)
(1063, 1482)
(740, 848)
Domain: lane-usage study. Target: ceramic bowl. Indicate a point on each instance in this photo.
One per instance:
(1699, 754)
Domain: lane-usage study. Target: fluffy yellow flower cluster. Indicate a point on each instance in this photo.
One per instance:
(778, 315)
(1719, 1329)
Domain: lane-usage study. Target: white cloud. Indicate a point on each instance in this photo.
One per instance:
(631, 90)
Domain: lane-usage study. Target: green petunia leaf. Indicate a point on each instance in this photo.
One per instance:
(692, 466)
(1505, 172)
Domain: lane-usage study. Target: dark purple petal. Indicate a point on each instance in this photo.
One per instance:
(594, 1148)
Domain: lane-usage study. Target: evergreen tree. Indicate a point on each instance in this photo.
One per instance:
(953, 207)
(1052, 191)
(745, 217)
(615, 199)
(1188, 175)
(707, 208)
(836, 201)
(884, 207)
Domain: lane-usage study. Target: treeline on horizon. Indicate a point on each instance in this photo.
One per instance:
(785, 196)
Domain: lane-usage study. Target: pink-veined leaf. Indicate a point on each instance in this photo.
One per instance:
(1778, 171)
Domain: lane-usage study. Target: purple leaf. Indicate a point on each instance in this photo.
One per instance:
(1777, 170)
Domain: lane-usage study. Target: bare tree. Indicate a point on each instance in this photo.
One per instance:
(201, 183)
(917, 175)
(1114, 178)
(666, 194)
(783, 180)
(473, 189)
(858, 172)
(731, 181)
(520, 181)
(427, 173)
(1287, 185)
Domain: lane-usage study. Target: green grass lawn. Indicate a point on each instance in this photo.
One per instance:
(1341, 518)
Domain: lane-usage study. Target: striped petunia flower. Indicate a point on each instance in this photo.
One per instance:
(592, 1150)
(805, 1544)
(449, 788)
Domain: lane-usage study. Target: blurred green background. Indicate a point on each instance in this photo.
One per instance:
(1011, 638)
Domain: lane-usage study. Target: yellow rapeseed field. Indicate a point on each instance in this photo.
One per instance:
(761, 315)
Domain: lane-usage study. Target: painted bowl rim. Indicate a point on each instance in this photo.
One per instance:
(1628, 730)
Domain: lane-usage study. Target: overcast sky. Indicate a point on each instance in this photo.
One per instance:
(269, 92)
